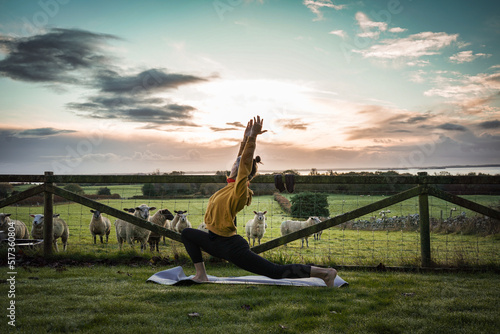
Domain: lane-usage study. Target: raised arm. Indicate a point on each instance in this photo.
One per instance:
(245, 137)
(254, 128)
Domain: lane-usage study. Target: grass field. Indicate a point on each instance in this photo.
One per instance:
(338, 246)
(115, 299)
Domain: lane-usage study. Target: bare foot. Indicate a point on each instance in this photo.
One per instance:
(201, 273)
(200, 279)
(329, 277)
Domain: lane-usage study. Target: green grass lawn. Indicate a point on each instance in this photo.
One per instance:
(115, 299)
(338, 246)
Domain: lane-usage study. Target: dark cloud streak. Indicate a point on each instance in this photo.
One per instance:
(54, 57)
(451, 127)
(237, 124)
(150, 81)
(135, 110)
(490, 124)
(216, 129)
(78, 57)
(293, 124)
(41, 132)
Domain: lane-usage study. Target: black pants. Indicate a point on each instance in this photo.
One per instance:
(235, 249)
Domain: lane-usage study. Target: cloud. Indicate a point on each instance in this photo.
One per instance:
(475, 105)
(216, 129)
(490, 124)
(108, 153)
(413, 46)
(418, 63)
(397, 30)
(145, 153)
(368, 25)
(462, 87)
(59, 56)
(232, 127)
(316, 5)
(467, 57)
(340, 33)
(292, 124)
(451, 127)
(394, 124)
(237, 124)
(41, 132)
(129, 109)
(150, 81)
(71, 56)
(418, 119)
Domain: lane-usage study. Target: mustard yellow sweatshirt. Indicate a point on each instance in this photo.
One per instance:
(226, 203)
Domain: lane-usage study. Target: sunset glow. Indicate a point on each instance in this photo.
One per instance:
(131, 87)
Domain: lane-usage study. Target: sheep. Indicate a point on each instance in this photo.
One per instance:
(120, 228)
(173, 223)
(99, 226)
(160, 218)
(289, 226)
(180, 221)
(256, 227)
(60, 229)
(20, 229)
(130, 232)
(203, 227)
(317, 235)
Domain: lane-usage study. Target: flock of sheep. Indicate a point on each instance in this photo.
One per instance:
(100, 226)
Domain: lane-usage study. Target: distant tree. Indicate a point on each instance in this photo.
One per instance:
(222, 172)
(104, 191)
(308, 204)
(74, 188)
(291, 171)
(174, 172)
(209, 188)
(148, 189)
(5, 189)
(313, 171)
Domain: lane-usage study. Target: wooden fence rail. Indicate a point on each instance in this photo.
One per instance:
(425, 187)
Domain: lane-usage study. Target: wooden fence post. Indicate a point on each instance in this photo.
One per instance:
(425, 235)
(48, 212)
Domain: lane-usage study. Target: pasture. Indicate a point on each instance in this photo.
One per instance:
(338, 246)
(111, 299)
(93, 297)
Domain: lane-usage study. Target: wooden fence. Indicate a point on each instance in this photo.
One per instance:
(424, 186)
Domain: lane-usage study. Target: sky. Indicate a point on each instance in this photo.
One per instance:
(106, 87)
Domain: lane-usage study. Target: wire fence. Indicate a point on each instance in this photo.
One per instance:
(390, 236)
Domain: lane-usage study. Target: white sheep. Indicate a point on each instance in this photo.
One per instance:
(99, 226)
(120, 226)
(256, 227)
(180, 221)
(60, 229)
(20, 229)
(289, 226)
(130, 232)
(160, 218)
(203, 227)
(317, 235)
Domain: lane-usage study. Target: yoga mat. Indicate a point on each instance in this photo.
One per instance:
(176, 276)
